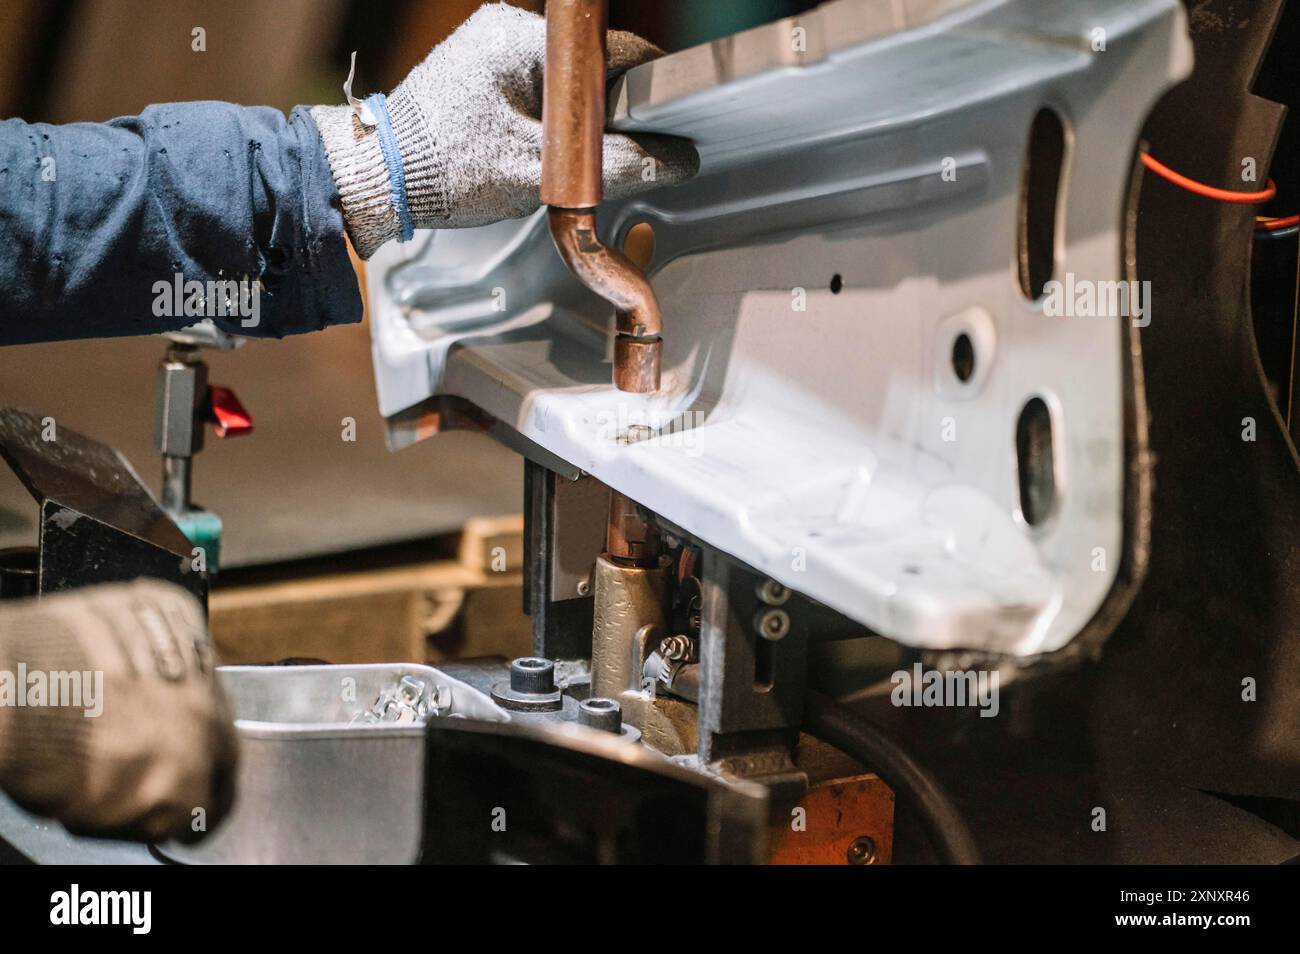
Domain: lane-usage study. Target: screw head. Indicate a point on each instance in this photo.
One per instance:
(532, 674)
(862, 851)
(531, 687)
(773, 593)
(601, 713)
(584, 587)
(773, 624)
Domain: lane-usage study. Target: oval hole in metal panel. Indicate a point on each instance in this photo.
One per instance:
(1035, 461)
(1039, 191)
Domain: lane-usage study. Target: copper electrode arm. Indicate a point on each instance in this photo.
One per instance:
(573, 125)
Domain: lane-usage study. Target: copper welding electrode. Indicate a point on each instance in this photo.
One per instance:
(573, 128)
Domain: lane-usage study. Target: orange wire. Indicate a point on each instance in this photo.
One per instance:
(1270, 224)
(1210, 192)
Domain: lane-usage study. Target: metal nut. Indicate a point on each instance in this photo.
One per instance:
(410, 689)
(636, 433)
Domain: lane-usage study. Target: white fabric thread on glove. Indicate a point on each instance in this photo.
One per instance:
(162, 742)
(468, 125)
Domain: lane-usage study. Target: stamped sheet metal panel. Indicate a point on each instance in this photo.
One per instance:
(856, 211)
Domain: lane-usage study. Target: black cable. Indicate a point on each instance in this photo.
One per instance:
(857, 737)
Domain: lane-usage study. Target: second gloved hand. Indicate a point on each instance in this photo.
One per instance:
(148, 751)
(467, 124)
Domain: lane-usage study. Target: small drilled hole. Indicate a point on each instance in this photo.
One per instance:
(963, 357)
(837, 283)
(600, 704)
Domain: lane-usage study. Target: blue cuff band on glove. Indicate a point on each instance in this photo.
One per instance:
(378, 104)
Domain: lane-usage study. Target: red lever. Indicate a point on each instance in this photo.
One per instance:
(227, 414)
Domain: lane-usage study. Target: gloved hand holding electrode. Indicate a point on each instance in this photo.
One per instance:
(458, 143)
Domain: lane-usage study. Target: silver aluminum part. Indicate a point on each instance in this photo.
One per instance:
(811, 444)
(315, 788)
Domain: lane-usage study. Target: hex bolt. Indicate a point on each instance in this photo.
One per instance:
(862, 851)
(601, 713)
(532, 674)
(773, 624)
(773, 593)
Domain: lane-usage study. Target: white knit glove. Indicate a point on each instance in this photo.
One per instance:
(148, 749)
(467, 123)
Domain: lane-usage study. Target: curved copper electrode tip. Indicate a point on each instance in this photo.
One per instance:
(614, 277)
(636, 363)
(573, 128)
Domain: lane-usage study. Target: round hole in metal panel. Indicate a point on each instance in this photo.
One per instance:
(963, 357)
(837, 283)
(1036, 461)
(639, 244)
(965, 352)
(1039, 193)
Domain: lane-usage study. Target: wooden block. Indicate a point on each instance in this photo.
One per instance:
(493, 544)
(417, 613)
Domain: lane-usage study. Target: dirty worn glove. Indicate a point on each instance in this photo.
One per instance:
(467, 125)
(140, 743)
